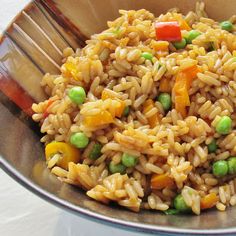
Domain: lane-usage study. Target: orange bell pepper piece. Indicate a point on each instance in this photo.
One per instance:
(160, 45)
(190, 73)
(102, 118)
(119, 108)
(181, 87)
(164, 85)
(184, 25)
(209, 201)
(180, 106)
(161, 181)
(120, 105)
(147, 106)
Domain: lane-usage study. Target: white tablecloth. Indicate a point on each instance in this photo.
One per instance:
(24, 214)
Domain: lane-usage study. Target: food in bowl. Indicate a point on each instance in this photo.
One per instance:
(143, 115)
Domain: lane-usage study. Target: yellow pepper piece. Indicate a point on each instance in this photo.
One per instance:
(102, 118)
(68, 152)
(147, 106)
(72, 70)
(106, 94)
(161, 181)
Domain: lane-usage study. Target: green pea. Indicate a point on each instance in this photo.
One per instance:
(232, 165)
(212, 146)
(96, 151)
(171, 212)
(192, 35)
(180, 44)
(165, 100)
(77, 95)
(80, 140)
(126, 111)
(118, 168)
(224, 125)
(147, 55)
(129, 160)
(220, 168)
(180, 204)
(226, 25)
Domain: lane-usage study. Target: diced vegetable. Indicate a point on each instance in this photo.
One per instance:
(165, 85)
(80, 140)
(129, 160)
(147, 56)
(212, 146)
(180, 204)
(171, 212)
(96, 151)
(226, 25)
(191, 35)
(71, 70)
(184, 25)
(147, 106)
(77, 95)
(181, 87)
(68, 153)
(120, 105)
(160, 45)
(161, 181)
(126, 111)
(224, 125)
(190, 73)
(232, 165)
(165, 100)
(180, 44)
(118, 168)
(209, 201)
(169, 31)
(106, 94)
(102, 118)
(45, 114)
(220, 168)
(180, 105)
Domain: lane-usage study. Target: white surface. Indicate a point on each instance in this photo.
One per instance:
(23, 213)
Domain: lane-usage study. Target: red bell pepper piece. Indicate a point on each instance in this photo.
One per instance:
(46, 114)
(168, 31)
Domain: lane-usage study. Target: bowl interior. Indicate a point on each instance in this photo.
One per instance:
(32, 46)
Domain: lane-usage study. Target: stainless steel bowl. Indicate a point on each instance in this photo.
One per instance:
(33, 45)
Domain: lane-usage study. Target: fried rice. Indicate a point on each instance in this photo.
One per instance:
(171, 146)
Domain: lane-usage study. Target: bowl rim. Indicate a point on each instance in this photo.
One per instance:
(86, 213)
